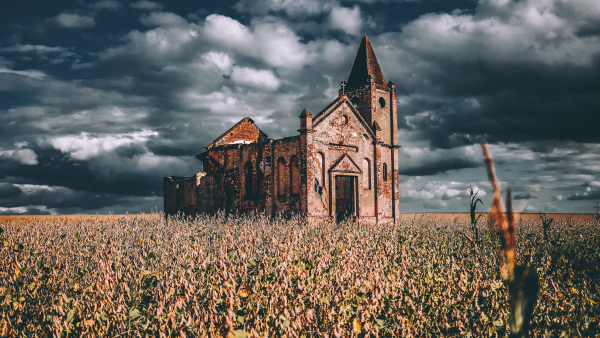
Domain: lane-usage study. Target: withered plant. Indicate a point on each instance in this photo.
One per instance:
(473, 200)
(546, 223)
(259, 276)
(522, 280)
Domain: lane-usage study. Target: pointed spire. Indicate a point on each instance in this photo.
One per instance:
(376, 126)
(365, 64)
(306, 119)
(305, 113)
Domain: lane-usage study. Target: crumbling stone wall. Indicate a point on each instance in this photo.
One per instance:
(241, 178)
(211, 195)
(180, 194)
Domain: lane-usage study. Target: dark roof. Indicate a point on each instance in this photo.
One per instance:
(365, 64)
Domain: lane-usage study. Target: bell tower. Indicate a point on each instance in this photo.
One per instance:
(371, 95)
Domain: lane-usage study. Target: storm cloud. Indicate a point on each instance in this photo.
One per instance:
(101, 99)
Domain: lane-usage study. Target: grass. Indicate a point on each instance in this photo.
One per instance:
(253, 275)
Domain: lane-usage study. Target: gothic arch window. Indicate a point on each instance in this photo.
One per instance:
(355, 102)
(385, 171)
(294, 176)
(321, 162)
(229, 159)
(259, 179)
(366, 174)
(281, 166)
(179, 194)
(248, 186)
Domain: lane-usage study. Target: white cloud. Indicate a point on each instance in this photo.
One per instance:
(53, 55)
(39, 49)
(270, 40)
(333, 51)
(29, 188)
(260, 79)
(422, 160)
(163, 19)
(435, 204)
(24, 209)
(226, 30)
(20, 156)
(106, 4)
(279, 46)
(427, 161)
(222, 103)
(86, 146)
(4, 62)
(510, 153)
(218, 60)
(111, 167)
(441, 190)
(583, 152)
(294, 8)
(74, 20)
(36, 74)
(580, 162)
(162, 44)
(267, 40)
(195, 79)
(346, 19)
(145, 4)
(544, 31)
(592, 184)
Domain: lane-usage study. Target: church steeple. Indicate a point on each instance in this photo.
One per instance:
(365, 64)
(373, 97)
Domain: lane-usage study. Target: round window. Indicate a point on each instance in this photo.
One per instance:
(344, 119)
(381, 102)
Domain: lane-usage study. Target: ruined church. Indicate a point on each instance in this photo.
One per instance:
(343, 164)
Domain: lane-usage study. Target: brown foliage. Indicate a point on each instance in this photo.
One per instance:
(261, 276)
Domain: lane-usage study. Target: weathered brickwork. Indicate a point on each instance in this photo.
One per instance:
(343, 163)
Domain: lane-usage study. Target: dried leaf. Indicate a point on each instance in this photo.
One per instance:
(356, 327)
(243, 292)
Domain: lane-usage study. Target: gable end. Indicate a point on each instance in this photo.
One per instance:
(334, 105)
(345, 164)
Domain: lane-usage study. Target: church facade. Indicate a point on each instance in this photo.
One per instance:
(343, 163)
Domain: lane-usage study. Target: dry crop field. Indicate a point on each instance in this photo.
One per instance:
(257, 276)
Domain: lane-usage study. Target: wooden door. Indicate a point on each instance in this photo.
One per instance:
(344, 197)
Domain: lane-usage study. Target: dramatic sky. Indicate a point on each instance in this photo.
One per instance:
(99, 100)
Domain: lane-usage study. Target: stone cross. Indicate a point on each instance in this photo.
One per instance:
(343, 85)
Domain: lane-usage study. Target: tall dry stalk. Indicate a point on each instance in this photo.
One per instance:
(522, 280)
(546, 223)
(473, 205)
(505, 230)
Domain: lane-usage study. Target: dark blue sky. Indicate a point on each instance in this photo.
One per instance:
(101, 99)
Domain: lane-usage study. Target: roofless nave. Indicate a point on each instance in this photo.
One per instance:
(343, 163)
